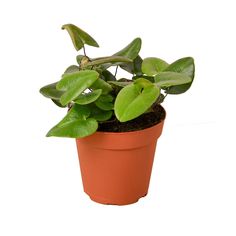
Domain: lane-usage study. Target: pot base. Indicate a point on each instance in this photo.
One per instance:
(107, 202)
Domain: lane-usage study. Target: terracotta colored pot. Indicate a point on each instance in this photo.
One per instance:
(116, 167)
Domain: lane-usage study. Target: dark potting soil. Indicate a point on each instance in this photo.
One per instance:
(142, 122)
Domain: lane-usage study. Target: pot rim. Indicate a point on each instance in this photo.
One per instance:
(134, 131)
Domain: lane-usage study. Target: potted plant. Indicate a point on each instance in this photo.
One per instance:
(115, 121)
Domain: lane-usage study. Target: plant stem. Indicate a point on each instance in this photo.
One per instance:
(166, 93)
(116, 71)
(84, 51)
(69, 106)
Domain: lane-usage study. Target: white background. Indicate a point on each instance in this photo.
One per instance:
(193, 185)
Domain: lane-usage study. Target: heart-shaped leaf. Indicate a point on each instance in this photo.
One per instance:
(101, 84)
(75, 129)
(77, 112)
(185, 66)
(134, 99)
(75, 124)
(132, 50)
(104, 102)
(168, 79)
(87, 98)
(79, 37)
(75, 83)
(152, 65)
(50, 91)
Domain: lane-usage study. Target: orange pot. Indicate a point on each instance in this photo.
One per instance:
(116, 167)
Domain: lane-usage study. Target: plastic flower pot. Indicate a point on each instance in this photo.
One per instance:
(116, 167)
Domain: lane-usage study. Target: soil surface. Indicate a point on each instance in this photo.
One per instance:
(142, 122)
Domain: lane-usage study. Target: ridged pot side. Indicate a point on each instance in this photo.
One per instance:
(116, 167)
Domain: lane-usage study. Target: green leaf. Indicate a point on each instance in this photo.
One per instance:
(108, 60)
(150, 78)
(77, 112)
(57, 102)
(168, 79)
(75, 129)
(184, 65)
(75, 124)
(104, 102)
(71, 69)
(88, 97)
(134, 99)
(132, 50)
(75, 83)
(79, 37)
(120, 84)
(101, 84)
(99, 114)
(152, 65)
(142, 83)
(79, 58)
(108, 76)
(50, 91)
(133, 67)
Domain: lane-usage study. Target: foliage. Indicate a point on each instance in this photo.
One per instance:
(93, 94)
